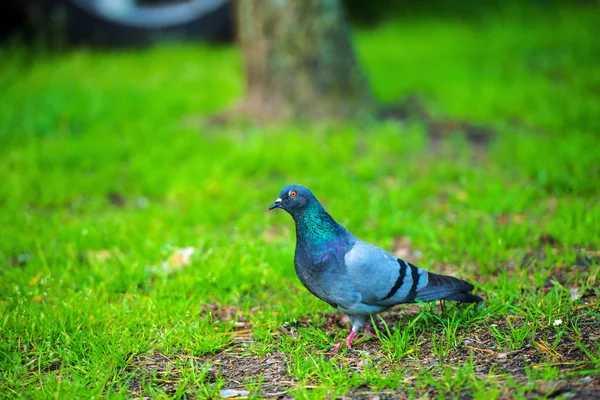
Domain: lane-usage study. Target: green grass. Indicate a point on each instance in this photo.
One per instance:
(83, 296)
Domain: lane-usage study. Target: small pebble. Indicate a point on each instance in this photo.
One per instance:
(227, 393)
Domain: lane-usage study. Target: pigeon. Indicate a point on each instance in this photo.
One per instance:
(353, 276)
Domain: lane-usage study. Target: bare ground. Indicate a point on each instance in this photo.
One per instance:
(237, 366)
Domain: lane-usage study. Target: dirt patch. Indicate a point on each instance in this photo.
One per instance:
(240, 368)
(116, 199)
(410, 108)
(438, 129)
(222, 313)
(18, 260)
(155, 364)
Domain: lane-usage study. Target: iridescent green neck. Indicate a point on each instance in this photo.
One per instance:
(314, 224)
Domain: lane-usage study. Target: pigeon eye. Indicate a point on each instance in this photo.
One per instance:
(292, 193)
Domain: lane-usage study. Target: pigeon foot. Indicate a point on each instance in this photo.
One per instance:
(349, 339)
(367, 332)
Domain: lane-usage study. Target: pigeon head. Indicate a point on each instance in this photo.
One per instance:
(294, 199)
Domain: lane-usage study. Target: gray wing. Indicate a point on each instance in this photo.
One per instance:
(382, 279)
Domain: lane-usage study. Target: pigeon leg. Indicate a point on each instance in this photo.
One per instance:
(358, 322)
(367, 331)
(349, 339)
(443, 306)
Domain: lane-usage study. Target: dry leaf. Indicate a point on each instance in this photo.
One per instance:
(99, 255)
(461, 195)
(181, 258)
(518, 218)
(34, 280)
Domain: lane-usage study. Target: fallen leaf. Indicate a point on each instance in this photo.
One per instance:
(391, 181)
(34, 280)
(99, 255)
(461, 195)
(181, 258)
(503, 219)
(518, 218)
(506, 219)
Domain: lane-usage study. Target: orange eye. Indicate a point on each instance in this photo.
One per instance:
(292, 193)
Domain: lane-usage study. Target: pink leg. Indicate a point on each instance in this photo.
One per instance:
(349, 339)
(367, 331)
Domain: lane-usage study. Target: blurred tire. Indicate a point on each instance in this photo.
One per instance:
(127, 23)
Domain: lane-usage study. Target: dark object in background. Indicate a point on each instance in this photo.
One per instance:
(122, 22)
(11, 18)
(92, 21)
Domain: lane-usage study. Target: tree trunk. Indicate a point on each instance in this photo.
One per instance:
(299, 61)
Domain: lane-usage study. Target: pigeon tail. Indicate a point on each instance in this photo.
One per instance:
(443, 287)
(464, 297)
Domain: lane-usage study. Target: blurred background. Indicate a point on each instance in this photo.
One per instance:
(138, 22)
(413, 119)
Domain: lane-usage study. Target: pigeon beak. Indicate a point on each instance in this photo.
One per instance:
(276, 204)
